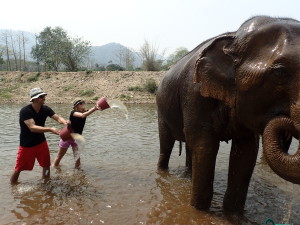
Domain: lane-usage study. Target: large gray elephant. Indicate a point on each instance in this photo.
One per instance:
(236, 86)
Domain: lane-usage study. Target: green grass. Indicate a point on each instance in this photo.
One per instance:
(67, 88)
(34, 77)
(135, 88)
(6, 93)
(124, 97)
(87, 93)
(151, 85)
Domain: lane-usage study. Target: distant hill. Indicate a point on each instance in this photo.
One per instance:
(106, 54)
(101, 55)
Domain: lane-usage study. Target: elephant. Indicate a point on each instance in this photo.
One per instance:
(238, 86)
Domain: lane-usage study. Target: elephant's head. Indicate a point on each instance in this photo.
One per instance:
(256, 72)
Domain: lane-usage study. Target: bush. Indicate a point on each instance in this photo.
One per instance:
(88, 72)
(114, 67)
(151, 85)
(34, 78)
(135, 88)
(87, 93)
(124, 97)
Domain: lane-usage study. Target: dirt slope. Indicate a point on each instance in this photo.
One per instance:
(63, 87)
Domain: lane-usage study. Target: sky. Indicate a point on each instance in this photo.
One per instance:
(166, 24)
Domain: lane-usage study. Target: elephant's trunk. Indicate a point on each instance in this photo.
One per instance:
(276, 138)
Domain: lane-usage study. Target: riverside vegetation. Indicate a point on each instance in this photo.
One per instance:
(63, 87)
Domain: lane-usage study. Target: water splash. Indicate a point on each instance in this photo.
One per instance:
(25, 188)
(114, 103)
(80, 140)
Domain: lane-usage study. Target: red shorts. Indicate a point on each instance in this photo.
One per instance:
(26, 156)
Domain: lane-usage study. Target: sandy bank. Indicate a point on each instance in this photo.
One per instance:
(63, 87)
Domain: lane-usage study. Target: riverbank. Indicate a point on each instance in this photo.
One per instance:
(63, 87)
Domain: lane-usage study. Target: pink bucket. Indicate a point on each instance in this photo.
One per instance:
(65, 133)
(102, 103)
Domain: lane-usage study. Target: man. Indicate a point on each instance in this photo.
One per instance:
(33, 144)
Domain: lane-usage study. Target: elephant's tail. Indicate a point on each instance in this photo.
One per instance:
(180, 147)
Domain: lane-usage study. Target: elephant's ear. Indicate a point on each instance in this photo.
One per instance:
(214, 69)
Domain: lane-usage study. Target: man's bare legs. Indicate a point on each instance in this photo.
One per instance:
(14, 177)
(46, 172)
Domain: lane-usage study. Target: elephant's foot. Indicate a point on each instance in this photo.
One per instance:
(162, 168)
(202, 202)
(202, 205)
(233, 203)
(163, 162)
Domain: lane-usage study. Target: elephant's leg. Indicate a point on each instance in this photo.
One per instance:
(204, 155)
(188, 159)
(167, 141)
(241, 165)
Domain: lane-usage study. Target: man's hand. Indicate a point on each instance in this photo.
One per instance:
(54, 130)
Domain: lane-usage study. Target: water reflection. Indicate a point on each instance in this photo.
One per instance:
(118, 182)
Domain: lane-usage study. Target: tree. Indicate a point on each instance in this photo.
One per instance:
(1, 56)
(23, 40)
(125, 57)
(7, 51)
(56, 50)
(50, 47)
(12, 43)
(178, 54)
(152, 60)
(76, 53)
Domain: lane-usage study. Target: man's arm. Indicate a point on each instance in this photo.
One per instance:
(39, 129)
(59, 119)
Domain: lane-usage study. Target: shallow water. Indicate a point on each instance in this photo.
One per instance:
(118, 182)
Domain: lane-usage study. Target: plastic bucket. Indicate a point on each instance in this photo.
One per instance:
(65, 133)
(102, 103)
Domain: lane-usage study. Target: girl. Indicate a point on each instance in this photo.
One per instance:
(77, 118)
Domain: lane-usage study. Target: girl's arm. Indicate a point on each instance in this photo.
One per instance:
(85, 114)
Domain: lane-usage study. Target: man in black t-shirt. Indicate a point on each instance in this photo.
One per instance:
(33, 144)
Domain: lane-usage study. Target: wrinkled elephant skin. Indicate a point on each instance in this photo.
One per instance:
(229, 88)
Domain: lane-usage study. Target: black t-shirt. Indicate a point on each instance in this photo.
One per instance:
(77, 123)
(28, 138)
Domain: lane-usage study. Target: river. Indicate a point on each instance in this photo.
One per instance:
(118, 183)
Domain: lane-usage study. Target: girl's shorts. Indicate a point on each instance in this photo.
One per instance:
(66, 144)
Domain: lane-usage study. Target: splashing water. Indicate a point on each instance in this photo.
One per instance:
(114, 103)
(25, 188)
(80, 140)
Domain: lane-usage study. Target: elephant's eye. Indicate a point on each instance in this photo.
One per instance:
(280, 75)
